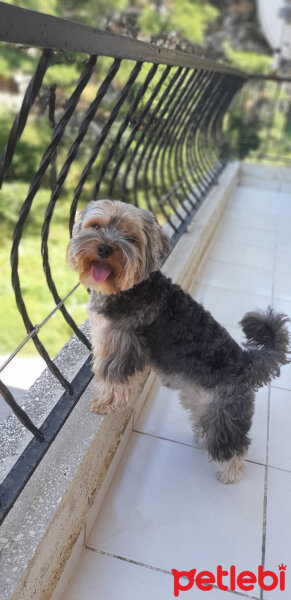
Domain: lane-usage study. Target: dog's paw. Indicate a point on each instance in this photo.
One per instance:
(231, 471)
(109, 399)
(99, 407)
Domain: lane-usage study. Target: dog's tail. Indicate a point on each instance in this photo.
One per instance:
(268, 344)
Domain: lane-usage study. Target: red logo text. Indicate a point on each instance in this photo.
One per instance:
(229, 580)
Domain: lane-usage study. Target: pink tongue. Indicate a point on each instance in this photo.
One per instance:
(100, 271)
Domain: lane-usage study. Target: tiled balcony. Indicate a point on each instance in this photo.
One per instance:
(165, 508)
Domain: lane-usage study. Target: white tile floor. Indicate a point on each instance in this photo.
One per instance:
(165, 508)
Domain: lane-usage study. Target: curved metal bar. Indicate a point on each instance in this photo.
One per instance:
(19, 412)
(149, 134)
(167, 139)
(153, 130)
(195, 128)
(216, 92)
(27, 462)
(164, 118)
(187, 105)
(211, 107)
(135, 129)
(120, 133)
(135, 71)
(25, 209)
(132, 109)
(130, 161)
(219, 145)
(181, 153)
(211, 100)
(20, 121)
(105, 131)
(180, 149)
(272, 109)
(57, 190)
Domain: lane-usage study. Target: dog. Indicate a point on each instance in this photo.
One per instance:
(140, 319)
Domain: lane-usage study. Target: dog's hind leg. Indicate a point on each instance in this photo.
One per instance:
(196, 401)
(231, 471)
(226, 424)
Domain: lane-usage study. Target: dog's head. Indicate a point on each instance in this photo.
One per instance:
(115, 245)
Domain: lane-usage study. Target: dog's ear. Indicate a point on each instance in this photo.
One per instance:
(71, 256)
(158, 243)
(166, 245)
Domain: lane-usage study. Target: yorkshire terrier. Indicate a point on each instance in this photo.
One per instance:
(140, 318)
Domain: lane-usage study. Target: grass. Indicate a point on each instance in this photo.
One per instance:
(37, 298)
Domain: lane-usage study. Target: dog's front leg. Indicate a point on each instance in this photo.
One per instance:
(110, 398)
(118, 357)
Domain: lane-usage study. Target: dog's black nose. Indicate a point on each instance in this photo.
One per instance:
(104, 251)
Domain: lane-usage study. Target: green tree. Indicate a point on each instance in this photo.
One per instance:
(189, 18)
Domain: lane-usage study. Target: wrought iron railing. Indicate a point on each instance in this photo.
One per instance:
(141, 124)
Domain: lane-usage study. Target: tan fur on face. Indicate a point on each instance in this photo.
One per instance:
(125, 229)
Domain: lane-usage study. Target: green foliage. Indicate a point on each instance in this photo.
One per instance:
(244, 133)
(51, 7)
(251, 62)
(35, 293)
(64, 76)
(91, 12)
(14, 59)
(189, 18)
(192, 18)
(36, 136)
(258, 121)
(153, 23)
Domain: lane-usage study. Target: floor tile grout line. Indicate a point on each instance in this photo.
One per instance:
(166, 439)
(157, 569)
(284, 389)
(129, 560)
(279, 469)
(265, 506)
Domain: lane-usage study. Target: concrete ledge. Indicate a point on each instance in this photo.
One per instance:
(44, 533)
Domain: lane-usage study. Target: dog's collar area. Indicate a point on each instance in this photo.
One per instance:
(127, 302)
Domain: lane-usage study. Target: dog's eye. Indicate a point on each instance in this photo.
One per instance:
(95, 226)
(131, 240)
